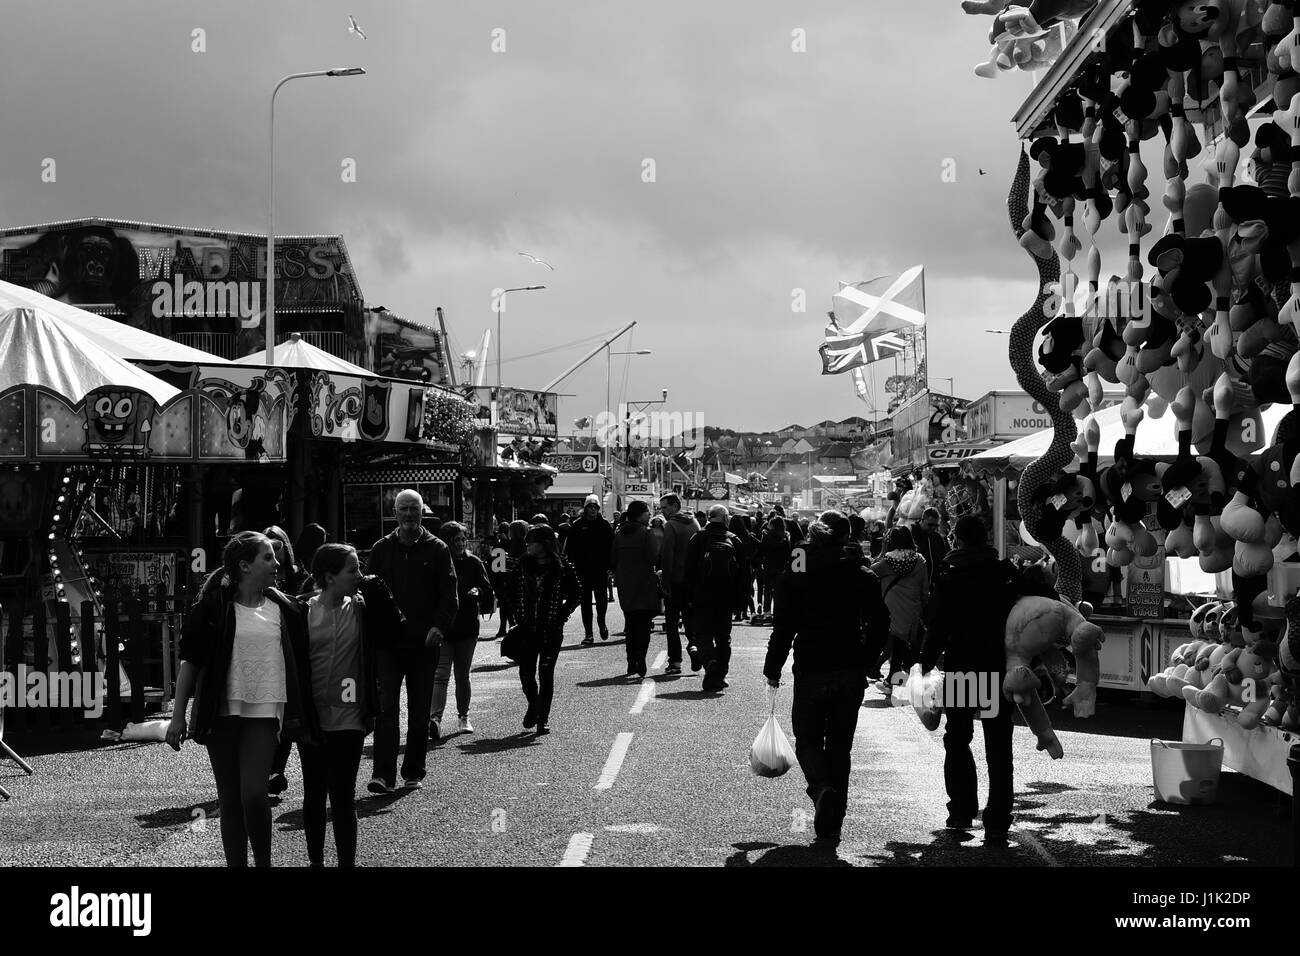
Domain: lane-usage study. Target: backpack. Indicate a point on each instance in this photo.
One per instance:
(719, 565)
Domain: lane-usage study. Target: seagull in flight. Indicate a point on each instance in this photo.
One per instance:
(539, 261)
(353, 28)
(982, 173)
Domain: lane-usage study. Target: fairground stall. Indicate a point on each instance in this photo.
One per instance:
(1162, 137)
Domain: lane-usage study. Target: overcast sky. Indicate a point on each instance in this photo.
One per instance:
(775, 170)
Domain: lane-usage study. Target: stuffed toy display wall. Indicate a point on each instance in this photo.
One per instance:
(1199, 320)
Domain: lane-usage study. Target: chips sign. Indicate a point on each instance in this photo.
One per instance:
(940, 456)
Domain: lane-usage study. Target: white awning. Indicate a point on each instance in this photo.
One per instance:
(835, 479)
(571, 491)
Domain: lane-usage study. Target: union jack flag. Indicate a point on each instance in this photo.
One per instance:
(884, 309)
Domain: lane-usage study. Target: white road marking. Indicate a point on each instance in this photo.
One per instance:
(607, 776)
(575, 854)
(1024, 838)
(634, 828)
(646, 695)
(660, 660)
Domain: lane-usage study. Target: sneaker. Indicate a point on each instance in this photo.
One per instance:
(378, 785)
(996, 839)
(824, 823)
(588, 641)
(543, 729)
(673, 669)
(959, 823)
(694, 651)
(435, 731)
(530, 718)
(711, 683)
(464, 726)
(277, 784)
(410, 783)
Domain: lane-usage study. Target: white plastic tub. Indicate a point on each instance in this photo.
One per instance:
(1186, 774)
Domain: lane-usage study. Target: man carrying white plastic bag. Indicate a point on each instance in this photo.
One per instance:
(830, 609)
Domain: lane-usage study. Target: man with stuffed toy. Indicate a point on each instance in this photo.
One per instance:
(966, 621)
(829, 606)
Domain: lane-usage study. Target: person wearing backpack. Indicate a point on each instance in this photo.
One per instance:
(713, 580)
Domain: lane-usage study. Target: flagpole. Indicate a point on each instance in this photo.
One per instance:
(925, 331)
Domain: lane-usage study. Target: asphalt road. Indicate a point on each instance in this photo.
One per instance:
(653, 773)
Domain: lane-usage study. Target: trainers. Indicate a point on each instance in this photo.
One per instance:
(824, 823)
(277, 784)
(378, 785)
(410, 783)
(694, 651)
(435, 731)
(530, 718)
(465, 726)
(996, 838)
(588, 641)
(958, 823)
(543, 729)
(673, 669)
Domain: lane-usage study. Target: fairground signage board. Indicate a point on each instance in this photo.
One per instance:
(574, 464)
(1002, 416)
(952, 455)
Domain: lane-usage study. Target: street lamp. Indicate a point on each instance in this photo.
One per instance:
(270, 204)
(501, 301)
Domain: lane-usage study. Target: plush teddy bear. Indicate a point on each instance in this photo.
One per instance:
(1039, 626)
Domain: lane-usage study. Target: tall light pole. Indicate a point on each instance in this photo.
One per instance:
(501, 301)
(270, 204)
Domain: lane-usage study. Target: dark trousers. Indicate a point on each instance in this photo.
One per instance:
(241, 751)
(824, 717)
(281, 760)
(537, 677)
(416, 666)
(674, 610)
(637, 629)
(959, 765)
(594, 585)
(713, 638)
(329, 769)
(770, 578)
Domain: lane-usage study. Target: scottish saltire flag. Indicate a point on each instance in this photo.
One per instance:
(870, 320)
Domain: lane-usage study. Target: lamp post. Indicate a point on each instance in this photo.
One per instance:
(270, 204)
(501, 301)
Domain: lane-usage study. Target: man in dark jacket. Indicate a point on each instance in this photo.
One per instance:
(590, 540)
(930, 544)
(713, 581)
(679, 529)
(418, 570)
(830, 608)
(966, 622)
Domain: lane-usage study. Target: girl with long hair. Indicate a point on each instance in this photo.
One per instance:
(345, 694)
(244, 661)
(457, 651)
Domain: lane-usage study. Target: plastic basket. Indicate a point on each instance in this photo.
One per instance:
(1186, 774)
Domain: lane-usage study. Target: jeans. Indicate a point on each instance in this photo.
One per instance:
(594, 585)
(537, 677)
(459, 654)
(241, 750)
(329, 769)
(959, 765)
(674, 609)
(713, 638)
(824, 717)
(637, 629)
(416, 666)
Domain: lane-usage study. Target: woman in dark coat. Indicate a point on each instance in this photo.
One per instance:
(745, 556)
(457, 650)
(544, 591)
(510, 555)
(634, 554)
(245, 662)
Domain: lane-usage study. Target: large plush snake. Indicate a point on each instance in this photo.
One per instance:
(1020, 351)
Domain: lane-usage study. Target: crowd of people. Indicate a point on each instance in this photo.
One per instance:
(306, 645)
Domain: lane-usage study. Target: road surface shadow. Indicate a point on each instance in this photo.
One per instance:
(495, 745)
(619, 680)
(690, 695)
(178, 816)
(489, 668)
(599, 643)
(793, 854)
(368, 805)
(946, 849)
